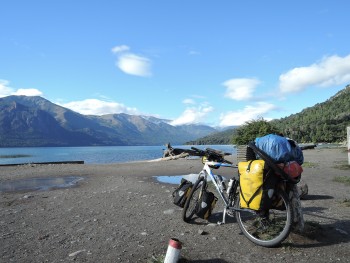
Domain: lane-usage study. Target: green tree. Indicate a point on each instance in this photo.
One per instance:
(251, 130)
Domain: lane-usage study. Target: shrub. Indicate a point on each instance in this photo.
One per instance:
(251, 130)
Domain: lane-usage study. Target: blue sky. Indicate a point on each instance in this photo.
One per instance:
(215, 62)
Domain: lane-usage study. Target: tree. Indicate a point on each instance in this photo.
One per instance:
(251, 130)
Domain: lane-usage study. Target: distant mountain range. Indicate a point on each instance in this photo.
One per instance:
(35, 121)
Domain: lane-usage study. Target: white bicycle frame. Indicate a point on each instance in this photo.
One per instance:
(207, 171)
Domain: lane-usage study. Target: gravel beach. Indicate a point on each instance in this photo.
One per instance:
(122, 213)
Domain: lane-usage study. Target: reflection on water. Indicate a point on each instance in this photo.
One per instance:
(176, 179)
(42, 184)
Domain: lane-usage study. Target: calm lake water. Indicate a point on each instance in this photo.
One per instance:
(91, 155)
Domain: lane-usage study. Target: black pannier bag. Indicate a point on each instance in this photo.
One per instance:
(182, 192)
(206, 204)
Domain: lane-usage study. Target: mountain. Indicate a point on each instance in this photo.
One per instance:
(324, 122)
(35, 121)
(222, 137)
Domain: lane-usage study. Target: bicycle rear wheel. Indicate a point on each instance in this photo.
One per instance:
(267, 228)
(192, 201)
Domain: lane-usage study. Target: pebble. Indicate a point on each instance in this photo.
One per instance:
(76, 253)
(202, 232)
(169, 211)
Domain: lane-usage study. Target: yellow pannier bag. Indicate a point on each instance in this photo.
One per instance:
(255, 190)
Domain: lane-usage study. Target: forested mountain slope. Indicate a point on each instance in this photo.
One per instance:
(223, 138)
(324, 122)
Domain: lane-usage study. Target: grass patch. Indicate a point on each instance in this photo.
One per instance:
(312, 225)
(345, 202)
(156, 259)
(342, 179)
(342, 165)
(288, 245)
(309, 165)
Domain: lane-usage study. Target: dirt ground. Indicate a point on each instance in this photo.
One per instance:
(121, 213)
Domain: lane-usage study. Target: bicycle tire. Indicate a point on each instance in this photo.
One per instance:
(192, 201)
(271, 229)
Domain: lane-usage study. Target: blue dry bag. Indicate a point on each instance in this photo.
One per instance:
(279, 149)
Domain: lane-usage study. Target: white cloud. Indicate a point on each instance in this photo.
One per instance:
(329, 71)
(6, 90)
(134, 65)
(240, 89)
(28, 92)
(192, 115)
(119, 49)
(248, 113)
(131, 63)
(188, 101)
(98, 107)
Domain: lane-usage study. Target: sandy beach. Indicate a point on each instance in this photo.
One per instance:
(121, 213)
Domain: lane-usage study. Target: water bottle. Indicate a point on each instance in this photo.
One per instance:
(230, 184)
(221, 182)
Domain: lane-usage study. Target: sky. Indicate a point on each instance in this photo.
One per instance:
(219, 63)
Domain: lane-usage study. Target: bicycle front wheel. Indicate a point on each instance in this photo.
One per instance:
(192, 201)
(267, 228)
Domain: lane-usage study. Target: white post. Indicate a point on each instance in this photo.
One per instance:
(173, 251)
(348, 131)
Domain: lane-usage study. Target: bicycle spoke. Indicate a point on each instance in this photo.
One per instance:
(266, 229)
(191, 204)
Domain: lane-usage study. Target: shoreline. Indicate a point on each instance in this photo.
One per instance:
(89, 160)
(121, 213)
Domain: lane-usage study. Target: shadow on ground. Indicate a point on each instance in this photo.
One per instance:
(317, 197)
(320, 235)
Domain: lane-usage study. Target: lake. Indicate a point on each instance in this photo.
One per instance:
(92, 155)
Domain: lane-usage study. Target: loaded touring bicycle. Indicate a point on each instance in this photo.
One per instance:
(264, 198)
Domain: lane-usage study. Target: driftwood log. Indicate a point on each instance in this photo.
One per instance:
(173, 157)
(170, 151)
(308, 146)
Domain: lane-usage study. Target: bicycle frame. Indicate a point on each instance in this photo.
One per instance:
(259, 226)
(208, 171)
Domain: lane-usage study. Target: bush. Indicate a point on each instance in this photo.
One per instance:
(251, 130)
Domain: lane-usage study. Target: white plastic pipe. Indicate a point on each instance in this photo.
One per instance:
(173, 251)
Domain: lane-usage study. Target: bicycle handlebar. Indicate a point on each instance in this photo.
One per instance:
(212, 154)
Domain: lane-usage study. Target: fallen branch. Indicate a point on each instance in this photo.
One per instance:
(174, 157)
